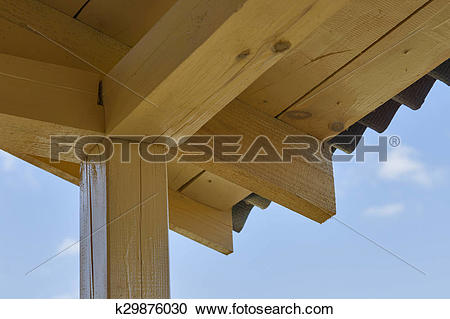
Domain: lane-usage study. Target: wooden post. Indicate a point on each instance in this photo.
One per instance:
(124, 229)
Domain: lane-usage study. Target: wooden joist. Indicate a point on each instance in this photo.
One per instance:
(306, 188)
(55, 37)
(124, 20)
(392, 64)
(339, 40)
(182, 73)
(47, 92)
(202, 223)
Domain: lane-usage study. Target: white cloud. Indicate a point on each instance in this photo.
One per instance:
(403, 164)
(7, 161)
(385, 210)
(70, 246)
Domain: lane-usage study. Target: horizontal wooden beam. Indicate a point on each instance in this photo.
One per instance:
(36, 31)
(204, 224)
(306, 188)
(392, 64)
(52, 93)
(180, 74)
(339, 40)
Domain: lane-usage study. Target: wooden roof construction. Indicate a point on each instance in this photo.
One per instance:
(199, 67)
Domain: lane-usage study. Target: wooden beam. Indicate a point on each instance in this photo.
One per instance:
(201, 223)
(402, 57)
(124, 250)
(55, 37)
(126, 21)
(51, 93)
(339, 40)
(182, 72)
(215, 191)
(306, 188)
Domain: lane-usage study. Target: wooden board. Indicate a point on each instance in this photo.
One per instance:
(124, 20)
(409, 52)
(55, 37)
(354, 28)
(204, 224)
(215, 191)
(48, 92)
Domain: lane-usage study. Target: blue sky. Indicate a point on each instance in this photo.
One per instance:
(403, 205)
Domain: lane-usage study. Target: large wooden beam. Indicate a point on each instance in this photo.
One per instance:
(402, 57)
(124, 249)
(306, 188)
(52, 93)
(199, 57)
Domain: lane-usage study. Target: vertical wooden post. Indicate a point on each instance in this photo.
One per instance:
(124, 229)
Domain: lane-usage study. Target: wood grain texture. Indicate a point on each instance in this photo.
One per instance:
(341, 38)
(409, 52)
(124, 20)
(55, 37)
(187, 79)
(215, 191)
(48, 92)
(204, 224)
(129, 257)
(306, 188)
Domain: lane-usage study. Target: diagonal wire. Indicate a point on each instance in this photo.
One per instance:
(390, 252)
(90, 235)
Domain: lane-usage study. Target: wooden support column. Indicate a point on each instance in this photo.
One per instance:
(124, 229)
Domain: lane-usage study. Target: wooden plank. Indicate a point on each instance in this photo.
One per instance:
(306, 188)
(57, 34)
(188, 79)
(341, 38)
(124, 229)
(28, 136)
(47, 92)
(215, 191)
(409, 52)
(179, 174)
(124, 20)
(201, 223)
